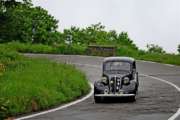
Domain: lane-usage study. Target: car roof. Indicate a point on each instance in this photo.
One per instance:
(126, 59)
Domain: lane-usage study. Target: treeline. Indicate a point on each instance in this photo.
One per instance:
(96, 34)
(21, 21)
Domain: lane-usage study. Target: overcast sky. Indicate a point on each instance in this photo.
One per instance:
(146, 21)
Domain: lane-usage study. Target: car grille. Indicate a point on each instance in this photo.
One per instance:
(115, 84)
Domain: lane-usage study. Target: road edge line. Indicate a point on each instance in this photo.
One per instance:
(166, 64)
(175, 115)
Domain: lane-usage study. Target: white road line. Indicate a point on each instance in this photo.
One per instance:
(95, 66)
(174, 116)
(61, 107)
(169, 65)
(151, 62)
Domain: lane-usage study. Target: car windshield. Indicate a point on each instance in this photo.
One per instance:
(117, 66)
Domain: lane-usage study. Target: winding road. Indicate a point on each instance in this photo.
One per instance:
(156, 100)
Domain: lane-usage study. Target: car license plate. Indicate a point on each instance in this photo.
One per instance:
(120, 92)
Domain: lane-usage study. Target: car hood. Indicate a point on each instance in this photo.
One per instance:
(117, 74)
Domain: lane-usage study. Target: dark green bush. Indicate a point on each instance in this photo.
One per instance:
(71, 49)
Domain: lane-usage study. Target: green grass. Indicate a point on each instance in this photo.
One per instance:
(28, 85)
(161, 58)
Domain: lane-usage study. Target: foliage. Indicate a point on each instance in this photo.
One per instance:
(96, 34)
(71, 49)
(7, 55)
(28, 48)
(25, 85)
(126, 51)
(34, 24)
(155, 48)
(15, 1)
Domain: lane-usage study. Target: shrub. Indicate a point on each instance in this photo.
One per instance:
(7, 55)
(30, 48)
(126, 51)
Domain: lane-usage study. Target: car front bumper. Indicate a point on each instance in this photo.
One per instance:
(114, 95)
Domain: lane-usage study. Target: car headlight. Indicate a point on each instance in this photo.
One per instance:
(106, 91)
(104, 80)
(126, 80)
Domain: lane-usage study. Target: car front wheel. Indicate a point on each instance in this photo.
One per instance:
(132, 99)
(97, 99)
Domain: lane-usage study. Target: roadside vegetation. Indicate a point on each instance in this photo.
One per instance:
(28, 85)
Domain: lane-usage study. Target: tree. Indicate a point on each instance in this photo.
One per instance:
(96, 34)
(43, 25)
(22, 22)
(155, 49)
(178, 48)
(91, 35)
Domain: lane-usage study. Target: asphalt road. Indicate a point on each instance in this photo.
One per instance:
(156, 100)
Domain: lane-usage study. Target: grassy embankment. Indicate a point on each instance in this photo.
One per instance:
(122, 50)
(147, 56)
(28, 85)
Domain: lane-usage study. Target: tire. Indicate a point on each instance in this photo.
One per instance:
(97, 99)
(132, 99)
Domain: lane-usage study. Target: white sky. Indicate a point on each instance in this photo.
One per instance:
(146, 21)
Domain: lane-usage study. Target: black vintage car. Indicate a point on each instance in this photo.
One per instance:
(119, 79)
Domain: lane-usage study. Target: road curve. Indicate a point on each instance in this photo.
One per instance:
(156, 100)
